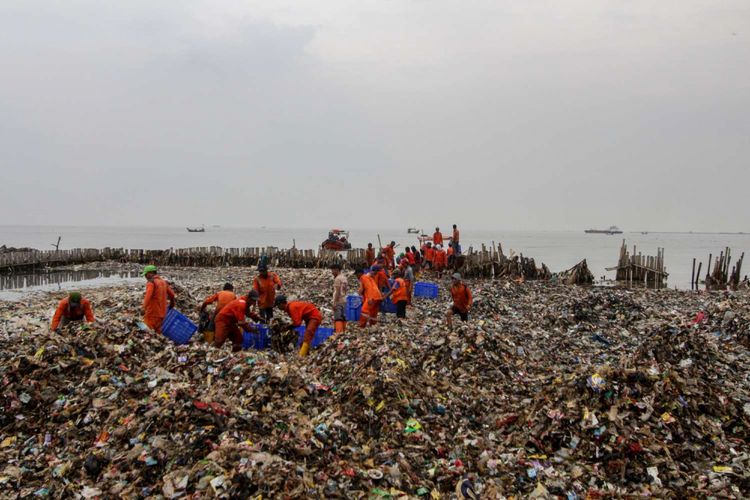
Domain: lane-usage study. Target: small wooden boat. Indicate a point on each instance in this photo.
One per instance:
(201, 229)
(338, 240)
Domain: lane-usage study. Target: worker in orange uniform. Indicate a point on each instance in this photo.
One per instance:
(222, 298)
(371, 298)
(300, 311)
(462, 300)
(370, 255)
(340, 287)
(451, 254)
(437, 237)
(440, 261)
(159, 296)
(399, 294)
(381, 278)
(429, 255)
(230, 322)
(389, 254)
(266, 284)
(72, 308)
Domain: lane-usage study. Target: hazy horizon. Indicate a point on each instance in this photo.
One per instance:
(526, 116)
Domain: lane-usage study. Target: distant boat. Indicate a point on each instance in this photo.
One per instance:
(201, 229)
(611, 230)
(413, 230)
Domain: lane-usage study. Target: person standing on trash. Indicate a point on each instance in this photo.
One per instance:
(72, 308)
(437, 237)
(230, 321)
(455, 239)
(399, 294)
(429, 255)
(371, 298)
(440, 261)
(266, 284)
(389, 255)
(408, 274)
(300, 311)
(462, 300)
(340, 287)
(158, 298)
(370, 255)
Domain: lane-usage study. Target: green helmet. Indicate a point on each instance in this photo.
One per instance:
(149, 269)
(74, 297)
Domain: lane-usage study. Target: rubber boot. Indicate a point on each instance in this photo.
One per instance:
(304, 349)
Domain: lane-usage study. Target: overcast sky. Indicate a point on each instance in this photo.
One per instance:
(495, 114)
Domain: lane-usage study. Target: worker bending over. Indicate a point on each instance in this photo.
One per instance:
(340, 287)
(266, 284)
(72, 308)
(462, 300)
(300, 311)
(372, 297)
(159, 296)
(230, 321)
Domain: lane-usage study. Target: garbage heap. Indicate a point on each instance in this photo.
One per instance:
(549, 390)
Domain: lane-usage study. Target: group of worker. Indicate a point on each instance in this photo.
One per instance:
(432, 254)
(385, 278)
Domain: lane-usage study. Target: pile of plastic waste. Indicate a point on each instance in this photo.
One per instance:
(547, 391)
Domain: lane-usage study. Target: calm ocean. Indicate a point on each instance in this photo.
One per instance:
(558, 249)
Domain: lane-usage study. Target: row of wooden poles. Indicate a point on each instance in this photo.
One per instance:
(636, 268)
(485, 262)
(722, 277)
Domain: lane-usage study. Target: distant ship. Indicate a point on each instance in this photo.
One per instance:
(413, 230)
(201, 229)
(611, 230)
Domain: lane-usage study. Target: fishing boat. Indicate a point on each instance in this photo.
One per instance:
(610, 230)
(338, 239)
(413, 230)
(201, 229)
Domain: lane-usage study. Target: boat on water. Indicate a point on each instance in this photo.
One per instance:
(201, 229)
(610, 230)
(413, 230)
(338, 239)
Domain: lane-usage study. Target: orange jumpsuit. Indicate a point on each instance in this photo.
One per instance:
(72, 313)
(429, 255)
(158, 294)
(300, 311)
(389, 253)
(370, 292)
(221, 298)
(462, 299)
(227, 320)
(437, 238)
(266, 288)
(381, 279)
(440, 260)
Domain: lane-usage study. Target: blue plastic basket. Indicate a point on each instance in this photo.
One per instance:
(353, 307)
(388, 307)
(256, 340)
(177, 327)
(426, 290)
(321, 335)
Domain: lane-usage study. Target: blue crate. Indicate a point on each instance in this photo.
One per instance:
(321, 335)
(426, 290)
(256, 340)
(177, 327)
(388, 307)
(353, 307)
